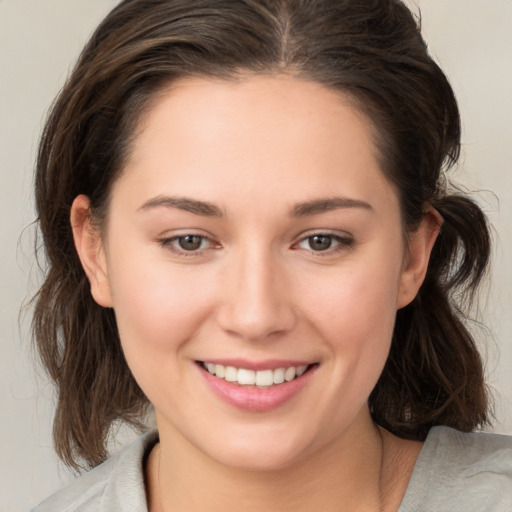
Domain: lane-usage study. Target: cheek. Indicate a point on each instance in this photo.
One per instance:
(354, 310)
(158, 309)
(358, 298)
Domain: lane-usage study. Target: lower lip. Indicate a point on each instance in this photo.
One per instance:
(254, 399)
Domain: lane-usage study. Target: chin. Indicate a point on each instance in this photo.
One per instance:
(261, 451)
(258, 458)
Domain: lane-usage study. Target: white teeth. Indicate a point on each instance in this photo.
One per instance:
(231, 374)
(260, 378)
(301, 370)
(279, 376)
(220, 371)
(264, 378)
(289, 374)
(246, 377)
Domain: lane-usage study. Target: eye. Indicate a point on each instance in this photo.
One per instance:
(320, 242)
(188, 244)
(324, 242)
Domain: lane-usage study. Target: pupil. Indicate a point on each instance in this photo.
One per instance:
(190, 242)
(320, 242)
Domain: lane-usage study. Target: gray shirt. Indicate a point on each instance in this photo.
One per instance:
(455, 472)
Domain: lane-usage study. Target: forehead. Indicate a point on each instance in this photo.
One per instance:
(258, 101)
(252, 135)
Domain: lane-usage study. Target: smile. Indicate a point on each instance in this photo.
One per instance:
(257, 387)
(259, 378)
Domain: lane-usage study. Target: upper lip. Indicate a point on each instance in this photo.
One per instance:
(269, 364)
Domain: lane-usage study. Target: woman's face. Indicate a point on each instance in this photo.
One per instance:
(252, 233)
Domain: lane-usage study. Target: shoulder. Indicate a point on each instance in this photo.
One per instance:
(462, 471)
(472, 448)
(117, 485)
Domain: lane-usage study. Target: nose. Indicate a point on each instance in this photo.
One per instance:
(257, 304)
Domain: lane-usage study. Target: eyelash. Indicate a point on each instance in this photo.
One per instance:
(171, 244)
(342, 243)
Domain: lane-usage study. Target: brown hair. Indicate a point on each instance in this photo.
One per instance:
(370, 50)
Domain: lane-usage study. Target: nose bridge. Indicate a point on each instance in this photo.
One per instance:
(257, 304)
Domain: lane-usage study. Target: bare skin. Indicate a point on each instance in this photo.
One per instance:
(253, 227)
(390, 463)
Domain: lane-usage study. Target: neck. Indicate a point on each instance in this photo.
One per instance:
(353, 472)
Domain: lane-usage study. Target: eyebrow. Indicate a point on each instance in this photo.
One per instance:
(204, 208)
(323, 205)
(184, 203)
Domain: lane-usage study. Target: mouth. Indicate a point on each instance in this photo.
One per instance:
(257, 386)
(259, 379)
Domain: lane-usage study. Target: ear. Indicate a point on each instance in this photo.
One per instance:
(420, 246)
(89, 245)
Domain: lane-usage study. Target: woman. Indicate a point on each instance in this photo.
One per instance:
(248, 227)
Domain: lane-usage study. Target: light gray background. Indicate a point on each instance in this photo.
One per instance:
(39, 41)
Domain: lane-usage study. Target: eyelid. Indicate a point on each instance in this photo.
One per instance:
(167, 242)
(345, 241)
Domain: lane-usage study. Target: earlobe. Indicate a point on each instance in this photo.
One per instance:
(90, 250)
(421, 243)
